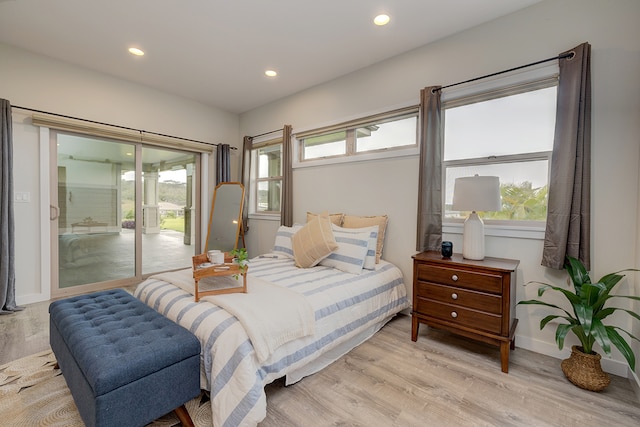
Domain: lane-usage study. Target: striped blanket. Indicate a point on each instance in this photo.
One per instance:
(348, 309)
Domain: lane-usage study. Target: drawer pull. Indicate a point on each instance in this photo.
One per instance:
(454, 277)
(454, 314)
(454, 296)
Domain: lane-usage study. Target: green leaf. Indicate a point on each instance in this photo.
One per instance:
(610, 280)
(573, 298)
(577, 272)
(538, 302)
(599, 332)
(585, 317)
(591, 292)
(622, 345)
(561, 332)
(601, 314)
(549, 318)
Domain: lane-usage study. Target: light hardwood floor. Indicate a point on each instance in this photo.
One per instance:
(441, 380)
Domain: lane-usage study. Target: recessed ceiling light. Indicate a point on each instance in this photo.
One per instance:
(381, 20)
(136, 51)
(270, 73)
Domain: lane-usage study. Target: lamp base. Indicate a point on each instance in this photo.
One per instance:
(473, 238)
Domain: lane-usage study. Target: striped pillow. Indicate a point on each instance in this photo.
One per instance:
(282, 244)
(313, 242)
(370, 258)
(353, 221)
(351, 253)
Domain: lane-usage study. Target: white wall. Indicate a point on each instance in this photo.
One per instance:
(38, 82)
(390, 187)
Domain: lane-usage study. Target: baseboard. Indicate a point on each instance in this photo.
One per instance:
(609, 365)
(31, 298)
(635, 384)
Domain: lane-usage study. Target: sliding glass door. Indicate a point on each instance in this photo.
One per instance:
(168, 215)
(120, 211)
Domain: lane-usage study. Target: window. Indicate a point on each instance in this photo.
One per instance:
(267, 163)
(374, 134)
(506, 133)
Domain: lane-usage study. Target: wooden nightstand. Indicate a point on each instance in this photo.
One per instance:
(475, 299)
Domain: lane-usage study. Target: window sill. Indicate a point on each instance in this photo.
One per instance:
(265, 217)
(519, 232)
(361, 157)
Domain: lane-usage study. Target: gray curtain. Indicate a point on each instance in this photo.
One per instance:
(569, 208)
(430, 171)
(286, 204)
(223, 170)
(7, 236)
(247, 142)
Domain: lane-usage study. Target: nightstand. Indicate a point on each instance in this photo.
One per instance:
(475, 299)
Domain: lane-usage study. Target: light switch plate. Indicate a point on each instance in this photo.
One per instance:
(22, 197)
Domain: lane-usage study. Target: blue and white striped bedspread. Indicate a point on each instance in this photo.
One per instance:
(344, 305)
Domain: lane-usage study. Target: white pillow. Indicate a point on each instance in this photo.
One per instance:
(351, 253)
(282, 244)
(370, 259)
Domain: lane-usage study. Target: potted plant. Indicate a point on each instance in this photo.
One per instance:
(241, 257)
(586, 321)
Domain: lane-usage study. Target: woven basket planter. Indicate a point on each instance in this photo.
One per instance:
(584, 370)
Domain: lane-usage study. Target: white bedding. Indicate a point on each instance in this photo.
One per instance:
(348, 309)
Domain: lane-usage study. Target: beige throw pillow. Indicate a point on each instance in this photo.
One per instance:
(353, 221)
(313, 242)
(336, 218)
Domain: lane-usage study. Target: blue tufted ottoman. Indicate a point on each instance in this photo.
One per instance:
(125, 363)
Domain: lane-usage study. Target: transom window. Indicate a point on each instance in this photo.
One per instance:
(389, 131)
(506, 133)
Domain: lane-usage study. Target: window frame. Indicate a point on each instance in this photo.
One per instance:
(254, 179)
(536, 78)
(351, 154)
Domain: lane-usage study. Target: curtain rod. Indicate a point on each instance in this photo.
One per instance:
(117, 126)
(564, 55)
(266, 133)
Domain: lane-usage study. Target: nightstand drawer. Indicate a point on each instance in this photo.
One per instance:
(457, 315)
(480, 281)
(490, 303)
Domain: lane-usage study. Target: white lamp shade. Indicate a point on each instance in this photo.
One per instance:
(477, 193)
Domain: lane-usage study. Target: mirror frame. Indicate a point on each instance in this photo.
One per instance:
(239, 230)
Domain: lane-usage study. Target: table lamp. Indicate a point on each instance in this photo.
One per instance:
(475, 193)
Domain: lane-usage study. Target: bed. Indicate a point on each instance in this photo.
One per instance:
(346, 310)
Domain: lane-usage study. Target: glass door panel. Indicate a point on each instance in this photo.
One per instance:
(168, 214)
(92, 245)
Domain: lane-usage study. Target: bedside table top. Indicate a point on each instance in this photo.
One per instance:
(435, 257)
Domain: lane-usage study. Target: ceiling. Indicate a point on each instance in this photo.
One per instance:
(216, 51)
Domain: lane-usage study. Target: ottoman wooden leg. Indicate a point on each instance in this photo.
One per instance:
(183, 416)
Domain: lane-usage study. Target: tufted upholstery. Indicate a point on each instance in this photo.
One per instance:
(114, 350)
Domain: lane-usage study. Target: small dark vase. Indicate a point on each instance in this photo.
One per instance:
(447, 249)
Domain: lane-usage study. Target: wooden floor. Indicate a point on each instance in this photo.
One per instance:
(441, 380)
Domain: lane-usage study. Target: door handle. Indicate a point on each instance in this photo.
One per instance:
(55, 211)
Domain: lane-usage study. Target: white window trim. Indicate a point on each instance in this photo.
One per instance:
(386, 153)
(531, 74)
(515, 231)
(257, 143)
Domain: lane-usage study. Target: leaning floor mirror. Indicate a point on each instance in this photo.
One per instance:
(225, 219)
